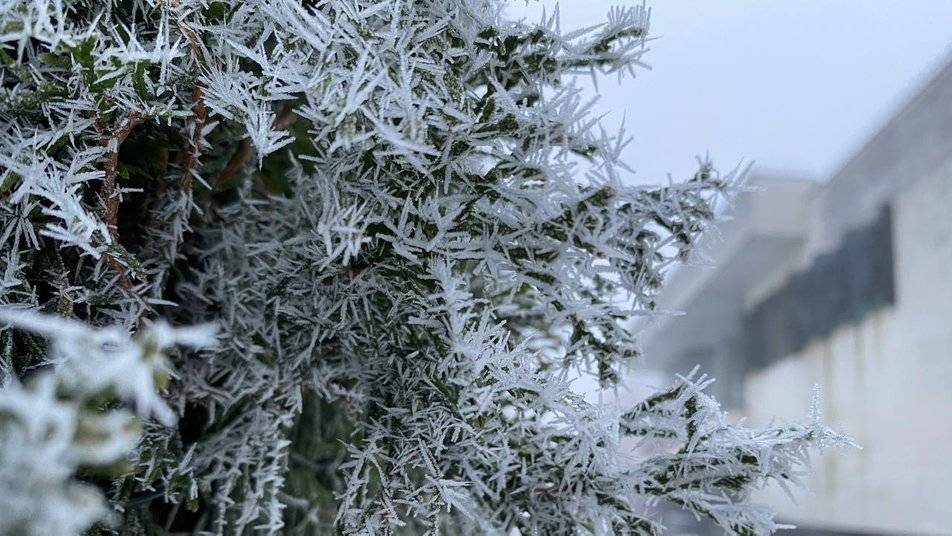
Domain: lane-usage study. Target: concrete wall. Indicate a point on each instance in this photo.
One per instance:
(887, 381)
(794, 272)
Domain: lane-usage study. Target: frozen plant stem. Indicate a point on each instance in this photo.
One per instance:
(109, 193)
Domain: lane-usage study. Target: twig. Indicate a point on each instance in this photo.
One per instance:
(234, 165)
(110, 195)
(285, 120)
(243, 153)
(200, 115)
(199, 111)
(146, 497)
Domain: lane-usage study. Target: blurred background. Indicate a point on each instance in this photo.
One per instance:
(834, 267)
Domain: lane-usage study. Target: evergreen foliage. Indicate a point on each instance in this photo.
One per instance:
(410, 232)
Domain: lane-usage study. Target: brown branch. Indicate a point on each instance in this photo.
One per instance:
(285, 120)
(191, 36)
(234, 165)
(243, 153)
(110, 195)
(199, 110)
(200, 115)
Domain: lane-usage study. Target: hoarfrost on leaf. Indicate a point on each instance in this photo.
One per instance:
(411, 231)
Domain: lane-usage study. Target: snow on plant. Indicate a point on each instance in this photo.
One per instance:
(411, 230)
(64, 423)
(716, 464)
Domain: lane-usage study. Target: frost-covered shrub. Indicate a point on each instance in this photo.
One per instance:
(411, 232)
(64, 422)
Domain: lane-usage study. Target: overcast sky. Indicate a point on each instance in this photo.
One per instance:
(796, 85)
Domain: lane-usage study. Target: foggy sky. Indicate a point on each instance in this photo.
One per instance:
(796, 85)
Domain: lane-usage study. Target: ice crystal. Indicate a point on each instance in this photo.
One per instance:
(411, 231)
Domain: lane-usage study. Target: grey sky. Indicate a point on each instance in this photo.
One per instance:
(795, 85)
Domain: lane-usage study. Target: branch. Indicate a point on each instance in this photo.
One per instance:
(243, 153)
(234, 165)
(199, 111)
(200, 115)
(110, 195)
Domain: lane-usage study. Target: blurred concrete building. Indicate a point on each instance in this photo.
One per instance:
(846, 284)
